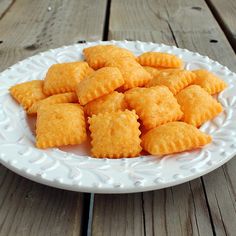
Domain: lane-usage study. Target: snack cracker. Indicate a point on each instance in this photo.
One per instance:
(28, 92)
(58, 98)
(134, 75)
(160, 59)
(62, 78)
(100, 83)
(97, 56)
(208, 81)
(115, 134)
(108, 103)
(154, 106)
(60, 124)
(175, 81)
(197, 105)
(173, 137)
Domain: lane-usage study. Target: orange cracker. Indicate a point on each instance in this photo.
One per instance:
(197, 105)
(133, 74)
(160, 59)
(58, 98)
(210, 82)
(97, 56)
(60, 124)
(174, 137)
(27, 93)
(174, 80)
(115, 134)
(101, 82)
(154, 106)
(108, 103)
(64, 77)
(160, 71)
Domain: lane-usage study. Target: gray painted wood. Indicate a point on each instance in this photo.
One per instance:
(28, 208)
(118, 215)
(5, 6)
(28, 27)
(224, 11)
(186, 209)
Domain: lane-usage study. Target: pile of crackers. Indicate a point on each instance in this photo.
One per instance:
(125, 103)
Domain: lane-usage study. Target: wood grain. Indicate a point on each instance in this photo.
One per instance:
(224, 11)
(189, 208)
(28, 208)
(30, 26)
(5, 6)
(118, 215)
(181, 210)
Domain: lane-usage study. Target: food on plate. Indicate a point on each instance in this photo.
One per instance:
(155, 106)
(113, 101)
(60, 124)
(100, 83)
(127, 104)
(115, 134)
(210, 82)
(97, 56)
(197, 105)
(133, 73)
(64, 77)
(174, 137)
(160, 59)
(54, 99)
(157, 71)
(28, 92)
(174, 81)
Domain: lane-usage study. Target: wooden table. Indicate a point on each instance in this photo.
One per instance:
(205, 206)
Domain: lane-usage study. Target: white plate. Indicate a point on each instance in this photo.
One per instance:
(72, 168)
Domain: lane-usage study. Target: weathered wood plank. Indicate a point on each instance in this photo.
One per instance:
(30, 26)
(118, 215)
(4, 6)
(182, 210)
(224, 12)
(29, 208)
(188, 23)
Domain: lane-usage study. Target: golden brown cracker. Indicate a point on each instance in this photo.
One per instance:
(115, 135)
(174, 137)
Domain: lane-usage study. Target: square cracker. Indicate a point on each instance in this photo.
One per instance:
(64, 77)
(154, 106)
(100, 83)
(108, 103)
(115, 134)
(134, 75)
(60, 124)
(54, 99)
(173, 137)
(208, 81)
(27, 93)
(174, 80)
(97, 56)
(197, 105)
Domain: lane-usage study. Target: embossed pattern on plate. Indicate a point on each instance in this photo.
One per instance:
(72, 168)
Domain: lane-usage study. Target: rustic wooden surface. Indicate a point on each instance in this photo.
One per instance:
(201, 207)
(225, 11)
(26, 28)
(205, 206)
